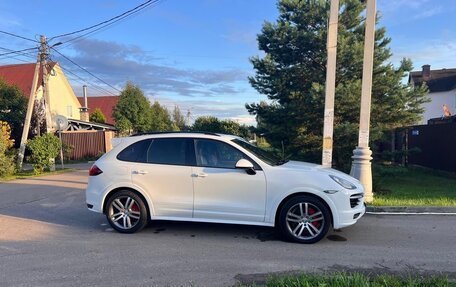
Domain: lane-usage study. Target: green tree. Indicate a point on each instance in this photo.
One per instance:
(13, 107)
(207, 124)
(292, 76)
(6, 159)
(161, 119)
(44, 150)
(214, 125)
(133, 108)
(97, 116)
(178, 119)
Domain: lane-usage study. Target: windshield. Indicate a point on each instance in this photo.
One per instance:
(266, 156)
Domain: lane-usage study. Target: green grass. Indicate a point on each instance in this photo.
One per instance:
(354, 280)
(400, 186)
(30, 174)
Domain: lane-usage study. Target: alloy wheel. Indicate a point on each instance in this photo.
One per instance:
(305, 221)
(124, 212)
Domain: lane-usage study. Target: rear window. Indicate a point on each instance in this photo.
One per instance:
(136, 152)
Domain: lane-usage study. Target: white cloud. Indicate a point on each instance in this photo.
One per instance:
(117, 63)
(394, 5)
(218, 108)
(428, 13)
(437, 53)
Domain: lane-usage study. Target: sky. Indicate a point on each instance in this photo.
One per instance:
(195, 53)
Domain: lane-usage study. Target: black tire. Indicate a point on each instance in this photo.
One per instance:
(123, 219)
(304, 219)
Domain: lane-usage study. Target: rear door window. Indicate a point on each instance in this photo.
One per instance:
(173, 151)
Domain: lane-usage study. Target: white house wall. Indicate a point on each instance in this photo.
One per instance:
(434, 108)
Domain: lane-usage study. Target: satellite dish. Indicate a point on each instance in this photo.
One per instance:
(60, 122)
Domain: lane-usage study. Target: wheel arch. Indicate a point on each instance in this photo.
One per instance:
(279, 208)
(109, 194)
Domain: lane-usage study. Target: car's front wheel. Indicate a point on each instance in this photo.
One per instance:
(304, 219)
(126, 212)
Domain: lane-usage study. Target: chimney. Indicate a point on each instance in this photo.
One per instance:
(84, 111)
(426, 73)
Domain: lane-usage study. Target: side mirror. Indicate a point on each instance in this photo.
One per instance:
(247, 165)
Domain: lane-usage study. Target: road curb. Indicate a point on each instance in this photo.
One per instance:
(411, 210)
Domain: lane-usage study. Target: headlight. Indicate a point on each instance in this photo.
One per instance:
(342, 182)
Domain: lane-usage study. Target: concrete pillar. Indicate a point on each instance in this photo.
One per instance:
(361, 165)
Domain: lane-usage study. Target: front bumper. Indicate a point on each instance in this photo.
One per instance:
(350, 217)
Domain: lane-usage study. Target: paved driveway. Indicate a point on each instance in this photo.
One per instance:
(49, 238)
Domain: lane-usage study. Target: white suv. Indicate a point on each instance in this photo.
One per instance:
(219, 178)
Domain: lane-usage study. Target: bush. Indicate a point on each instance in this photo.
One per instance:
(44, 150)
(6, 160)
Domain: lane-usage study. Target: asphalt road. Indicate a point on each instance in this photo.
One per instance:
(49, 238)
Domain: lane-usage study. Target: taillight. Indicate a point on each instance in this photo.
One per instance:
(95, 170)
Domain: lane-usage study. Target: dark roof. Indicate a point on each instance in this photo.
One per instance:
(105, 103)
(21, 75)
(439, 81)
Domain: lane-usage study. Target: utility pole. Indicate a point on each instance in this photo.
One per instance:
(361, 166)
(330, 90)
(31, 102)
(44, 64)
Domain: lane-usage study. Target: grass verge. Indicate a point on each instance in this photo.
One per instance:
(353, 280)
(29, 174)
(413, 186)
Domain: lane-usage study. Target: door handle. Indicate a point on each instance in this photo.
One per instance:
(140, 172)
(201, 174)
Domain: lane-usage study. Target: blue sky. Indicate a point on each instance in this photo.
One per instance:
(194, 53)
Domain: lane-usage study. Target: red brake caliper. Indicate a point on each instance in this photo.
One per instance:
(317, 224)
(134, 207)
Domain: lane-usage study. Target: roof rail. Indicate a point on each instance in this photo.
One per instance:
(175, 132)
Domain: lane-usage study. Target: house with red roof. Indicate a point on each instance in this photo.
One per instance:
(105, 103)
(62, 100)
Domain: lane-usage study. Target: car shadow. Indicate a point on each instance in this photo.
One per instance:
(203, 229)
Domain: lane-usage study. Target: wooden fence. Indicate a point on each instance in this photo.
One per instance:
(86, 144)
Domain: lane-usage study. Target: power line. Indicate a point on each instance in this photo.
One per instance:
(18, 51)
(108, 22)
(17, 36)
(85, 70)
(28, 55)
(85, 82)
(105, 27)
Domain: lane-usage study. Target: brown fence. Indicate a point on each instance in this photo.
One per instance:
(436, 145)
(86, 144)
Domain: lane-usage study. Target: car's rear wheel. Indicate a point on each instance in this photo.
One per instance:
(304, 219)
(126, 212)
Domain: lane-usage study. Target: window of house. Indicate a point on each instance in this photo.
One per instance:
(70, 111)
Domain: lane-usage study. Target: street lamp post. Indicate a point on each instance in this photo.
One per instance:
(361, 166)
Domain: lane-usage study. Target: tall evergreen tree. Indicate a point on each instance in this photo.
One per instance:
(292, 76)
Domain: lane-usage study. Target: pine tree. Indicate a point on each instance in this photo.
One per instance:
(292, 76)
